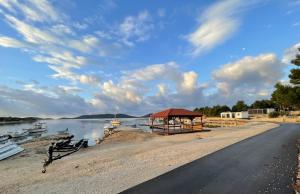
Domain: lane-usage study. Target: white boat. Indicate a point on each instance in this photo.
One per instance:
(63, 132)
(4, 138)
(9, 149)
(37, 128)
(109, 127)
(18, 134)
(34, 130)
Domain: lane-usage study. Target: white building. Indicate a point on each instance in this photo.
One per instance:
(238, 115)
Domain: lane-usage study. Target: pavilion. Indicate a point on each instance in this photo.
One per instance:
(176, 120)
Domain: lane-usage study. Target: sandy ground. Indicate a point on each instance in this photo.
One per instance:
(122, 160)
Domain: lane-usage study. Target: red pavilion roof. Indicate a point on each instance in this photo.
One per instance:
(175, 112)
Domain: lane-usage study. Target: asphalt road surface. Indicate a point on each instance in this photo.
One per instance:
(265, 163)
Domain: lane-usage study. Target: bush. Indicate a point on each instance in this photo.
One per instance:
(274, 114)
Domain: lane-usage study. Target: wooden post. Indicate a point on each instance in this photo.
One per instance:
(180, 124)
(152, 124)
(168, 124)
(201, 122)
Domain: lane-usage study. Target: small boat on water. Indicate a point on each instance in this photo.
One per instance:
(34, 130)
(18, 134)
(4, 138)
(9, 149)
(37, 128)
(63, 132)
(109, 127)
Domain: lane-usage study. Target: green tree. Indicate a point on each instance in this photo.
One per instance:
(240, 106)
(261, 104)
(295, 73)
(285, 96)
(214, 111)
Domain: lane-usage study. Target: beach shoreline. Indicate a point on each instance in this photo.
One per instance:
(122, 160)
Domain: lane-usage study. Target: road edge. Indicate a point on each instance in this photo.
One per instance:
(296, 185)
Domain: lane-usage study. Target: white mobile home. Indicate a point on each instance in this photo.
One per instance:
(238, 115)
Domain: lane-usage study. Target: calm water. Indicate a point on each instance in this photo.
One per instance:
(81, 128)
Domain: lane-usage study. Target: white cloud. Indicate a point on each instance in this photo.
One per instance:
(135, 89)
(249, 77)
(136, 28)
(11, 42)
(86, 44)
(33, 10)
(216, 24)
(32, 102)
(65, 72)
(62, 29)
(290, 53)
(64, 58)
(31, 34)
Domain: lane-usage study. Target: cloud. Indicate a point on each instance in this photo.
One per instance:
(290, 53)
(31, 34)
(135, 89)
(35, 103)
(216, 24)
(65, 58)
(33, 10)
(11, 42)
(248, 78)
(50, 41)
(66, 73)
(136, 28)
(86, 44)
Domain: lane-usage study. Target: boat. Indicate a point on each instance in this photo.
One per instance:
(18, 134)
(4, 138)
(63, 132)
(9, 149)
(37, 128)
(109, 127)
(115, 122)
(34, 130)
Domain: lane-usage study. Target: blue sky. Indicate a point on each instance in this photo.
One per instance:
(64, 58)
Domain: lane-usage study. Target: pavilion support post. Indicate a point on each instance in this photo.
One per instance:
(152, 124)
(180, 124)
(168, 125)
(173, 124)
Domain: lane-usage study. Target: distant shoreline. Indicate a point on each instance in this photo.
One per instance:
(15, 122)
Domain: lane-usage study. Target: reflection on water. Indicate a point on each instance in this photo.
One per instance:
(80, 128)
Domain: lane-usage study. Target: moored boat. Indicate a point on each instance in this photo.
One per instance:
(18, 134)
(63, 132)
(34, 130)
(9, 149)
(37, 128)
(4, 138)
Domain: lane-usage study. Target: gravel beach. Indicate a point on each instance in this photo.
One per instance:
(124, 159)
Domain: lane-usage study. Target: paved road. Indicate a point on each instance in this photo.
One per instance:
(264, 163)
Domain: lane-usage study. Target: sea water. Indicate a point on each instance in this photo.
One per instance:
(91, 129)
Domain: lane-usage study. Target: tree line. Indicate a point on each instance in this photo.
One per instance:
(285, 97)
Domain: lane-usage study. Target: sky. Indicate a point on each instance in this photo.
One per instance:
(68, 58)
